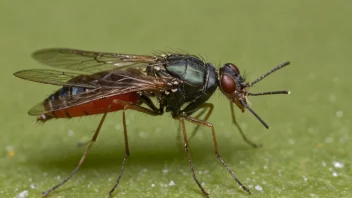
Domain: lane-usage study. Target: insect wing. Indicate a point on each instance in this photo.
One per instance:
(92, 62)
(111, 84)
(59, 78)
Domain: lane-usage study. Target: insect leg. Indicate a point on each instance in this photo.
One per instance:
(178, 137)
(127, 153)
(146, 100)
(189, 156)
(127, 105)
(204, 107)
(82, 159)
(244, 137)
(179, 142)
(207, 124)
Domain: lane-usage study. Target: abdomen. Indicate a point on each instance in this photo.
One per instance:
(93, 107)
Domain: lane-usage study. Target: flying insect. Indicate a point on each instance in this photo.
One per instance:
(102, 82)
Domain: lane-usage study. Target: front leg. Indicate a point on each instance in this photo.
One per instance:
(244, 137)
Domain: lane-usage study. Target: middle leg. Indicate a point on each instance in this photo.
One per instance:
(189, 156)
(207, 124)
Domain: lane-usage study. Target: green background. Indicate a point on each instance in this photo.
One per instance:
(310, 129)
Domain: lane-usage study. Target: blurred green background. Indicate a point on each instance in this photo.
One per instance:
(306, 153)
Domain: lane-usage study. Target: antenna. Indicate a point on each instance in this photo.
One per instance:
(268, 93)
(268, 73)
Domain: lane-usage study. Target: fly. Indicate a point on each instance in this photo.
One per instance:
(101, 82)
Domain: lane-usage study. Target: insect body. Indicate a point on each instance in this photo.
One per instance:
(99, 83)
(199, 82)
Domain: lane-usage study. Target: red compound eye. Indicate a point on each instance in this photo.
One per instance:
(234, 67)
(228, 84)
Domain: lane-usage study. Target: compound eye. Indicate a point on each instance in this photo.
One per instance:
(228, 84)
(233, 67)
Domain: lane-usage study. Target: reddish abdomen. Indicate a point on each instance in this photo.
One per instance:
(95, 107)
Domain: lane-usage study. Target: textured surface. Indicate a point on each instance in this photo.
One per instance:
(306, 153)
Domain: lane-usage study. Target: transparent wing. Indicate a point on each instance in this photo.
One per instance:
(59, 78)
(92, 62)
(110, 84)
